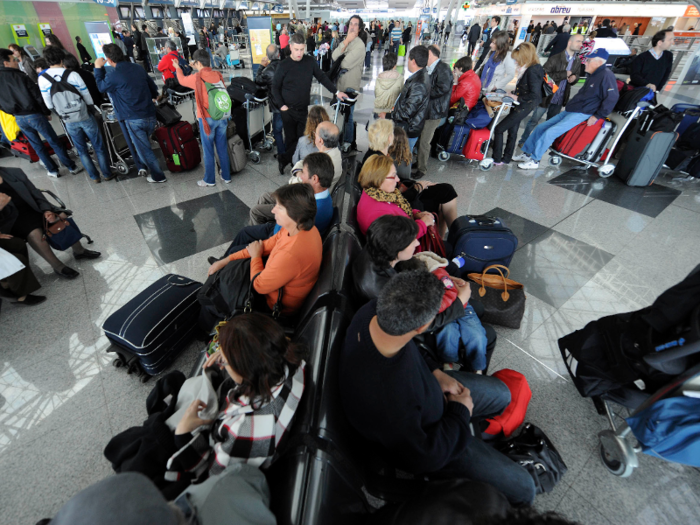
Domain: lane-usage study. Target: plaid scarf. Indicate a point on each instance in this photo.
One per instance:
(395, 198)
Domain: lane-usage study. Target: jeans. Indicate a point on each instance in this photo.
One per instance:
(395, 46)
(510, 124)
(216, 138)
(349, 127)
(216, 61)
(31, 126)
(480, 462)
(368, 58)
(80, 133)
(140, 131)
(277, 127)
(140, 165)
(552, 111)
(546, 133)
(466, 332)
(412, 143)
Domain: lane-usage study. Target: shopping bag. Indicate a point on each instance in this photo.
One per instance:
(402, 51)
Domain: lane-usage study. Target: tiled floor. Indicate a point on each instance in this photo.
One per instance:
(587, 248)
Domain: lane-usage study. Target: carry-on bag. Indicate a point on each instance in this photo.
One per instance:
(503, 298)
(458, 139)
(179, 146)
(236, 154)
(474, 148)
(513, 415)
(576, 140)
(156, 325)
(402, 51)
(691, 115)
(241, 86)
(23, 149)
(481, 241)
(644, 157)
(167, 115)
(594, 151)
(63, 233)
(432, 241)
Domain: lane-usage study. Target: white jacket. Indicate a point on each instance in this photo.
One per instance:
(504, 73)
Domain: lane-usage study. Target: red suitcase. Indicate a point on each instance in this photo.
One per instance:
(474, 148)
(20, 147)
(576, 140)
(179, 146)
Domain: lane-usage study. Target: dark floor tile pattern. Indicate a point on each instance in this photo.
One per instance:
(525, 230)
(650, 200)
(183, 229)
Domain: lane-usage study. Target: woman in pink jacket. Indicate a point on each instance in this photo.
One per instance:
(380, 196)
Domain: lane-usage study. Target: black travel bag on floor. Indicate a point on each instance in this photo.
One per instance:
(481, 241)
(155, 326)
(644, 156)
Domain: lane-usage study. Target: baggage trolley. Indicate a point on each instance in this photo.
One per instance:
(180, 97)
(342, 110)
(117, 145)
(506, 103)
(606, 169)
(258, 117)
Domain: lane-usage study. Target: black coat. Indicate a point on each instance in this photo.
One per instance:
(440, 91)
(19, 95)
(411, 107)
(474, 33)
(529, 87)
(29, 193)
(264, 80)
(84, 55)
(558, 44)
(605, 32)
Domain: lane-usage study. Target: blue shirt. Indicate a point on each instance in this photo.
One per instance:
(558, 97)
(324, 212)
(130, 88)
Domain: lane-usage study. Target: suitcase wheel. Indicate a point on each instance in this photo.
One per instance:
(144, 377)
(606, 171)
(118, 363)
(254, 157)
(486, 164)
(443, 156)
(555, 160)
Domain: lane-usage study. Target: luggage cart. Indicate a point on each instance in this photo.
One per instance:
(606, 169)
(180, 97)
(258, 117)
(117, 145)
(342, 109)
(506, 103)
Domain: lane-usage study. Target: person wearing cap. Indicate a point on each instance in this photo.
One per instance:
(593, 102)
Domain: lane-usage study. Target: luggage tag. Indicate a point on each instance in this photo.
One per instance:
(176, 159)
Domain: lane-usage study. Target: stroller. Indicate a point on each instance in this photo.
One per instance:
(649, 362)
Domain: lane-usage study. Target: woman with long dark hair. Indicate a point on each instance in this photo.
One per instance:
(499, 68)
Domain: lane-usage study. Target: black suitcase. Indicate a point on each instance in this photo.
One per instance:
(155, 326)
(481, 241)
(241, 86)
(644, 156)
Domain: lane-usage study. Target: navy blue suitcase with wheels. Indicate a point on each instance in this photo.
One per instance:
(481, 241)
(155, 326)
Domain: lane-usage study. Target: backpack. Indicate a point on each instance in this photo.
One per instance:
(514, 414)
(219, 101)
(184, 65)
(66, 99)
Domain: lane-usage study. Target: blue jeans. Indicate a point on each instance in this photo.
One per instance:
(140, 131)
(368, 58)
(480, 462)
(467, 332)
(546, 133)
(132, 149)
(349, 129)
(277, 128)
(412, 143)
(80, 133)
(395, 46)
(215, 139)
(552, 111)
(31, 126)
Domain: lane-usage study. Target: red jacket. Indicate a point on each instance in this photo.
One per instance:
(451, 292)
(468, 87)
(166, 67)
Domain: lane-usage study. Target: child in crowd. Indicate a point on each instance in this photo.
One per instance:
(388, 86)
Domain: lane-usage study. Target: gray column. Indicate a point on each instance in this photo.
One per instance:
(447, 15)
(308, 9)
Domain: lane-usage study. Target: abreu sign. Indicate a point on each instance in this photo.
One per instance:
(558, 9)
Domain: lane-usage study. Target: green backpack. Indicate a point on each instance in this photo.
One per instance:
(219, 101)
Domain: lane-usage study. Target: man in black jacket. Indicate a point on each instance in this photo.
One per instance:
(264, 80)
(146, 57)
(474, 34)
(440, 91)
(84, 55)
(495, 21)
(411, 107)
(559, 42)
(21, 98)
(605, 31)
(291, 89)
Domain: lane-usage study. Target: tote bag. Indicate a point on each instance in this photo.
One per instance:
(503, 298)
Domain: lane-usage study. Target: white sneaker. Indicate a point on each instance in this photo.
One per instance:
(53, 174)
(151, 179)
(529, 165)
(203, 184)
(523, 157)
(226, 181)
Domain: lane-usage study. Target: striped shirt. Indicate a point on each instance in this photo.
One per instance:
(396, 33)
(73, 79)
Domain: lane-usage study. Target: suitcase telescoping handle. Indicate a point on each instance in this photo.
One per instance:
(484, 220)
(179, 280)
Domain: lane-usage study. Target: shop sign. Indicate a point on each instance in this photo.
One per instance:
(692, 12)
(560, 10)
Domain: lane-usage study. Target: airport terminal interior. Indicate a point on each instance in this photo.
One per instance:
(588, 247)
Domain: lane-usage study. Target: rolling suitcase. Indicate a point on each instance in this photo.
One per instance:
(576, 140)
(644, 156)
(20, 147)
(155, 326)
(236, 154)
(458, 139)
(179, 146)
(481, 241)
(474, 148)
(595, 151)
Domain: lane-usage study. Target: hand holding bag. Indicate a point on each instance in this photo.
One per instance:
(432, 241)
(503, 298)
(62, 233)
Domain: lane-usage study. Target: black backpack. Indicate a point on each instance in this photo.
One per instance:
(533, 450)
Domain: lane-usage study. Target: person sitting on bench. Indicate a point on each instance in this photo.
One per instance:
(416, 414)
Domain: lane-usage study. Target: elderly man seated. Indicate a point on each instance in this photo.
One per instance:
(327, 138)
(593, 102)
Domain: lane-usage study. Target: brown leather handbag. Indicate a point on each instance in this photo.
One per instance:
(503, 298)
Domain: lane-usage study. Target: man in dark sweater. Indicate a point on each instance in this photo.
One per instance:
(606, 31)
(291, 92)
(403, 403)
(495, 20)
(652, 68)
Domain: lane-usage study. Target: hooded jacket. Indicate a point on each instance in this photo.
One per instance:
(411, 108)
(468, 87)
(386, 90)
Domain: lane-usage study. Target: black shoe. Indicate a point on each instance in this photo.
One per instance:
(418, 175)
(111, 176)
(68, 273)
(281, 167)
(7, 294)
(211, 260)
(31, 300)
(87, 254)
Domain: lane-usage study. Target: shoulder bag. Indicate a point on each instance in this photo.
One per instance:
(432, 241)
(503, 298)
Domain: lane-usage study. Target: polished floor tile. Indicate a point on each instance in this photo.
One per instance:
(174, 232)
(524, 229)
(650, 201)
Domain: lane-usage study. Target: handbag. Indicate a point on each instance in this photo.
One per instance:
(533, 450)
(432, 241)
(549, 87)
(62, 234)
(504, 308)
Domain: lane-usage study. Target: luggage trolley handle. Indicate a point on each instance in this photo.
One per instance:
(637, 110)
